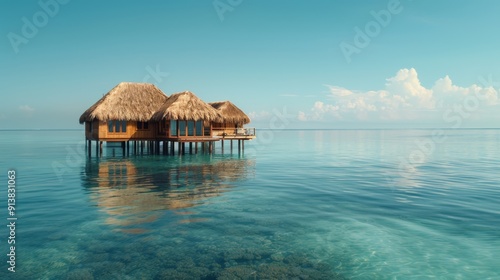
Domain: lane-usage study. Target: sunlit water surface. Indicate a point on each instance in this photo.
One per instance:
(340, 204)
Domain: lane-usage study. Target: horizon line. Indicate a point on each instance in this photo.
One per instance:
(280, 129)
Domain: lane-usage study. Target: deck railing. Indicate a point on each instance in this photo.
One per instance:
(247, 131)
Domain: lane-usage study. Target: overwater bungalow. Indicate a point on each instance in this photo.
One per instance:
(142, 114)
(124, 113)
(186, 118)
(233, 119)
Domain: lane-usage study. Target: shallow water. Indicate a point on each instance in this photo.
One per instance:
(310, 204)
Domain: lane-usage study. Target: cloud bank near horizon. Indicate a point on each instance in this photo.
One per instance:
(404, 99)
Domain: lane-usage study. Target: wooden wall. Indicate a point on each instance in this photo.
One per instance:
(100, 131)
(220, 128)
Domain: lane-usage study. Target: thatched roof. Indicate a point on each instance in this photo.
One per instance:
(230, 112)
(186, 106)
(126, 102)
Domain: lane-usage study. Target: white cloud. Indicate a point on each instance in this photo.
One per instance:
(339, 91)
(26, 108)
(403, 98)
(302, 116)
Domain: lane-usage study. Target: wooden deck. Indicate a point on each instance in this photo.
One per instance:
(155, 143)
(237, 137)
(194, 139)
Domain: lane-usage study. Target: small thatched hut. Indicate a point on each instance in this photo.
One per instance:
(124, 113)
(233, 119)
(185, 115)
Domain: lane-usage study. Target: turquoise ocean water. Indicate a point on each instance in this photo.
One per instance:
(299, 204)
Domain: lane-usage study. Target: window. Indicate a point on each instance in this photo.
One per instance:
(190, 128)
(182, 128)
(199, 128)
(117, 126)
(142, 125)
(173, 128)
(110, 126)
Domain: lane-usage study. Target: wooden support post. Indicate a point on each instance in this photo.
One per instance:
(123, 148)
(190, 147)
(222, 145)
(239, 146)
(231, 146)
(89, 147)
(242, 146)
(210, 146)
(179, 148)
(142, 147)
(100, 148)
(195, 147)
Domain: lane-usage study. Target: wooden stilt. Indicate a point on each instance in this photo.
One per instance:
(179, 148)
(231, 146)
(142, 147)
(239, 146)
(172, 148)
(100, 148)
(123, 148)
(190, 147)
(242, 146)
(196, 147)
(89, 147)
(222, 145)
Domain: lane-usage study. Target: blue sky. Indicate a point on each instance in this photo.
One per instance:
(288, 64)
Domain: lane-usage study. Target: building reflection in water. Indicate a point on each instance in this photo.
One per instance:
(135, 192)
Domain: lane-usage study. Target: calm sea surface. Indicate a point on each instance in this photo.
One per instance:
(338, 204)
